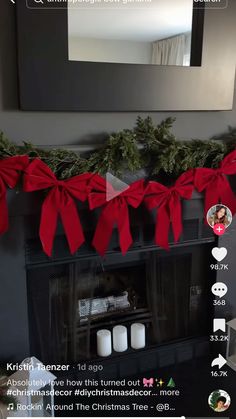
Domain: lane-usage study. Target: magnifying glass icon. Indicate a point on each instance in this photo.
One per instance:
(38, 1)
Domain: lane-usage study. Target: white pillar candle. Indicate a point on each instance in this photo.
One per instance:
(104, 342)
(137, 336)
(120, 338)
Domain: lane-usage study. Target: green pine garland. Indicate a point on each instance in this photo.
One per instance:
(149, 146)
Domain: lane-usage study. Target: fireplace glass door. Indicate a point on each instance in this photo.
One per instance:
(70, 301)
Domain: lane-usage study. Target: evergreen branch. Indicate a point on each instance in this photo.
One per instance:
(149, 146)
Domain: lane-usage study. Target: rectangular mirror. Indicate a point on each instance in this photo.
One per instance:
(50, 81)
(154, 32)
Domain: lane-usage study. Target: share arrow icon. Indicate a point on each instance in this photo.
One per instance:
(219, 362)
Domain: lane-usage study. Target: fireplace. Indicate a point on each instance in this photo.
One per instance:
(52, 312)
(70, 301)
(70, 298)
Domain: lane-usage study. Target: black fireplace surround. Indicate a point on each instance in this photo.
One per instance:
(45, 309)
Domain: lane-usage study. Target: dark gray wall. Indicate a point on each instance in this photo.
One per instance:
(63, 128)
(69, 128)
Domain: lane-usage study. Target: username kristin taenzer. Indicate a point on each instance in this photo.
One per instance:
(37, 366)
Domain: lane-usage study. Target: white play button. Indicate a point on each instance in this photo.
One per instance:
(114, 186)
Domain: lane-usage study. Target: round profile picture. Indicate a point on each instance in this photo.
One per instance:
(219, 214)
(219, 401)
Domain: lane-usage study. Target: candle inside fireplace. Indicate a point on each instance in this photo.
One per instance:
(104, 342)
(120, 339)
(137, 336)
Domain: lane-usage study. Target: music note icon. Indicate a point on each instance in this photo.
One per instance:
(10, 406)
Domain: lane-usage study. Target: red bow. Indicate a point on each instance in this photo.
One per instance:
(59, 201)
(216, 184)
(115, 210)
(169, 206)
(9, 174)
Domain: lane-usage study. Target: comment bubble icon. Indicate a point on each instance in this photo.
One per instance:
(219, 289)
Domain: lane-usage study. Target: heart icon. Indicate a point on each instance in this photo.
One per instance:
(219, 253)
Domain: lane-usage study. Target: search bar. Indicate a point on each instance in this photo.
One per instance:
(78, 4)
(49, 4)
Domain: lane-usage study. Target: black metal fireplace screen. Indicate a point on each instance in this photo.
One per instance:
(69, 301)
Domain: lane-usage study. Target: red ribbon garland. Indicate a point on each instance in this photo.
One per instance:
(216, 184)
(114, 211)
(168, 201)
(59, 201)
(9, 174)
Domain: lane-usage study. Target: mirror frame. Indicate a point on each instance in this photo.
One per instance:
(48, 81)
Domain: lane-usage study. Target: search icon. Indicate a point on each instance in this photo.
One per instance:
(39, 1)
